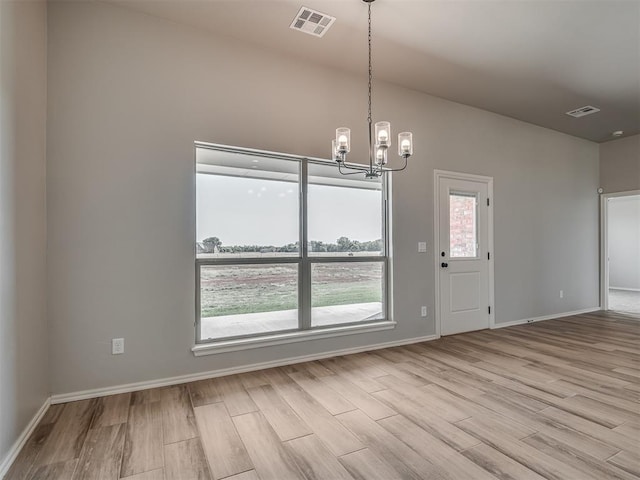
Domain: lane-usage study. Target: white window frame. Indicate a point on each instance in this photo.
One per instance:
(304, 331)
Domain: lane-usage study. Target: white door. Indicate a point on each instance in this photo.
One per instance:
(463, 256)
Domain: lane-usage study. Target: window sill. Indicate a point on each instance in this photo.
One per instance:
(224, 346)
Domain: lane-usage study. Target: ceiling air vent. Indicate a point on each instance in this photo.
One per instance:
(312, 22)
(583, 111)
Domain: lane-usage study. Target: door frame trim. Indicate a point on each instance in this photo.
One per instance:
(440, 174)
(604, 243)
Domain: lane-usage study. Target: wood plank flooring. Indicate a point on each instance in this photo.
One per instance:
(556, 400)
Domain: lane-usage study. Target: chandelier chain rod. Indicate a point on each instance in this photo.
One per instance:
(370, 67)
(341, 144)
(369, 120)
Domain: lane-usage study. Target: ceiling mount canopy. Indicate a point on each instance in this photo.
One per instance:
(379, 140)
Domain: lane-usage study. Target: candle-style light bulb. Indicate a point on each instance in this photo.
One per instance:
(381, 156)
(405, 144)
(343, 140)
(383, 134)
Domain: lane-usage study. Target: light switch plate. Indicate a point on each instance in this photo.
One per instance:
(422, 247)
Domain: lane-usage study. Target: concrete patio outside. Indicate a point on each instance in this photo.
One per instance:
(267, 322)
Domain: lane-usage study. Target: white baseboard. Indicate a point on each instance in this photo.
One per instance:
(22, 439)
(545, 317)
(624, 289)
(132, 387)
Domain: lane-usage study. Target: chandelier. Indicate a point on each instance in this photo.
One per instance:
(379, 141)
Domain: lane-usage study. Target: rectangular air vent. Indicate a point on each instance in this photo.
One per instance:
(312, 22)
(582, 111)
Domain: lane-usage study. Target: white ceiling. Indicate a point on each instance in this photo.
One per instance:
(532, 60)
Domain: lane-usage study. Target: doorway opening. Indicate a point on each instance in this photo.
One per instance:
(620, 254)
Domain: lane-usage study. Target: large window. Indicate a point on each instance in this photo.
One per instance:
(285, 244)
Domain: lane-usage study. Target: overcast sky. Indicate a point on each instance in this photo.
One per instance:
(248, 211)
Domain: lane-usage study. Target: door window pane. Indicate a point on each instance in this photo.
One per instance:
(463, 231)
(346, 292)
(345, 214)
(240, 300)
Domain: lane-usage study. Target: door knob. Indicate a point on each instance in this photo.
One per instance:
(444, 265)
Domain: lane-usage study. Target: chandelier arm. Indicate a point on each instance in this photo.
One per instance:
(354, 166)
(357, 170)
(397, 169)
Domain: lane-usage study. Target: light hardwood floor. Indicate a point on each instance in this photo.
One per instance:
(556, 399)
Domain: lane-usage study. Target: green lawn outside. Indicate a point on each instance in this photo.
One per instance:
(240, 289)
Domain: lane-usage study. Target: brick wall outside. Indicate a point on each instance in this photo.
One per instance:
(462, 226)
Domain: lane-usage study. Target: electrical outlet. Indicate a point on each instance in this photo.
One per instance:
(561, 293)
(117, 346)
(423, 311)
(422, 247)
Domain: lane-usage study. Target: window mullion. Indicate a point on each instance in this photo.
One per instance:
(304, 317)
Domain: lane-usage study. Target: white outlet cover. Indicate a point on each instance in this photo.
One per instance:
(117, 346)
(422, 247)
(423, 311)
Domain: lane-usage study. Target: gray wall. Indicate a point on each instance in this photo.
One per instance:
(620, 165)
(130, 93)
(624, 242)
(23, 329)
